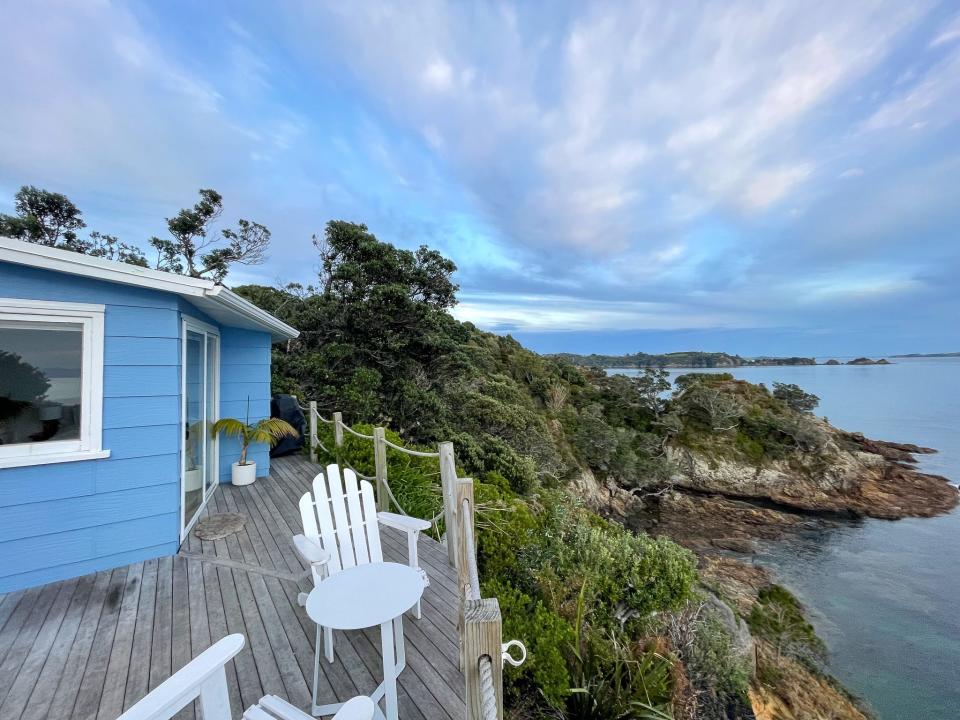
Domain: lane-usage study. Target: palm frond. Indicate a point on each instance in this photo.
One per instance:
(230, 427)
(276, 428)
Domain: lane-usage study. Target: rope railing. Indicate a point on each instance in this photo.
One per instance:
(357, 434)
(408, 451)
(482, 652)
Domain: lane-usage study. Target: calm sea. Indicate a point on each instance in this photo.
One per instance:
(883, 595)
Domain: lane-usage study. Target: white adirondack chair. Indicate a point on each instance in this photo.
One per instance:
(205, 678)
(341, 530)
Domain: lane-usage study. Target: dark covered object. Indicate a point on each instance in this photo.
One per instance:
(287, 408)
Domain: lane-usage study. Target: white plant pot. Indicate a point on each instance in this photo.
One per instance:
(243, 474)
(193, 480)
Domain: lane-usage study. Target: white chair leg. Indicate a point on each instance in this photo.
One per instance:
(328, 644)
(302, 599)
(414, 563)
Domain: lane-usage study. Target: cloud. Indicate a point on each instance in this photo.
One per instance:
(773, 185)
(930, 99)
(589, 165)
(438, 75)
(950, 33)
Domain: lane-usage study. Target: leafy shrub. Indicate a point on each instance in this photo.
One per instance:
(626, 576)
(795, 397)
(620, 682)
(713, 665)
(548, 637)
(778, 618)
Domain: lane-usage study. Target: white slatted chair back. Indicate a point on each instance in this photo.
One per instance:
(342, 514)
(205, 679)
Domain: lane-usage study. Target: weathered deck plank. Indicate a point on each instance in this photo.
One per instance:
(90, 647)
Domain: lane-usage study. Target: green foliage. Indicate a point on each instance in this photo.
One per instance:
(268, 431)
(378, 343)
(549, 640)
(795, 398)
(727, 416)
(624, 576)
(51, 219)
(185, 255)
(619, 682)
(714, 669)
(43, 217)
(778, 618)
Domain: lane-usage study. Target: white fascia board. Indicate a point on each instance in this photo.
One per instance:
(65, 261)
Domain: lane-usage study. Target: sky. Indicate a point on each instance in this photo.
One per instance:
(760, 178)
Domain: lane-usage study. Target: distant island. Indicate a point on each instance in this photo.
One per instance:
(689, 359)
(693, 359)
(931, 355)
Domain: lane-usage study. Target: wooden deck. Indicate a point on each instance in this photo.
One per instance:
(92, 646)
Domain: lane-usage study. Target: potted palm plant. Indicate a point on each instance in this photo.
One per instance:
(268, 431)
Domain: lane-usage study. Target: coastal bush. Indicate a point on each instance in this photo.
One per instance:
(795, 397)
(623, 681)
(624, 577)
(778, 618)
(549, 640)
(720, 676)
(378, 343)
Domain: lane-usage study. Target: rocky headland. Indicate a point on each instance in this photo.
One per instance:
(745, 468)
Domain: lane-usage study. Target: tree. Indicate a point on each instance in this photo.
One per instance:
(795, 397)
(22, 385)
(376, 340)
(43, 217)
(190, 227)
(51, 219)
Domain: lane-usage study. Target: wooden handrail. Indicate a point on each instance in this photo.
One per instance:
(480, 623)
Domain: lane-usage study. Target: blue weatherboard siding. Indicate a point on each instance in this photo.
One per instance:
(244, 372)
(63, 520)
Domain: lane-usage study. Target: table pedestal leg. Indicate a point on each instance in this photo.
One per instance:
(394, 662)
(316, 667)
(387, 638)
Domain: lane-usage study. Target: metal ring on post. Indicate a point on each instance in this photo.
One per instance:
(508, 658)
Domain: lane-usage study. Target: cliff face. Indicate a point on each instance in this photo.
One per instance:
(850, 474)
(783, 688)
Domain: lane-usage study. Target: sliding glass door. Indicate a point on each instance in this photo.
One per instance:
(201, 406)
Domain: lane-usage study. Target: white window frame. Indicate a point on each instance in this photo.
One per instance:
(89, 446)
(188, 323)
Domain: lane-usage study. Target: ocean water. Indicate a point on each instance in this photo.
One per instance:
(885, 596)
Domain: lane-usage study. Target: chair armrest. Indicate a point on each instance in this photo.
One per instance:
(203, 674)
(403, 522)
(310, 550)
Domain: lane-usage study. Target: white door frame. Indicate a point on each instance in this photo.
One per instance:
(189, 323)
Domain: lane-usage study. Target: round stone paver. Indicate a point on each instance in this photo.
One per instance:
(219, 526)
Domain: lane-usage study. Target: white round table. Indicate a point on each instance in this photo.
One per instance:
(361, 597)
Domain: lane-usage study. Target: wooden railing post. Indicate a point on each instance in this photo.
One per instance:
(380, 465)
(313, 431)
(463, 491)
(448, 481)
(481, 635)
(338, 429)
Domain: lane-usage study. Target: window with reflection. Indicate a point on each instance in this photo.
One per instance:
(50, 379)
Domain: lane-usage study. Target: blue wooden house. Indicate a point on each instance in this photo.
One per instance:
(110, 375)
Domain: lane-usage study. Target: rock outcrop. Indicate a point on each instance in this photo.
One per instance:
(606, 497)
(851, 474)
